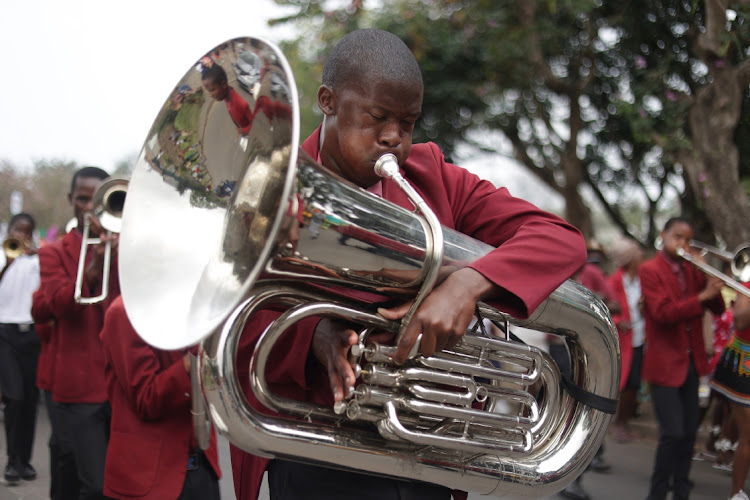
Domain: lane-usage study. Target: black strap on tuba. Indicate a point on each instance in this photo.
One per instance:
(607, 405)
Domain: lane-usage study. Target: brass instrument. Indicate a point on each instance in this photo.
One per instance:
(740, 263)
(108, 203)
(739, 260)
(201, 423)
(13, 247)
(244, 226)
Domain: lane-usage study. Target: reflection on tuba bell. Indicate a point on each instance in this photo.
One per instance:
(108, 203)
(234, 228)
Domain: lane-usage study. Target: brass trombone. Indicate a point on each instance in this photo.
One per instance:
(739, 261)
(108, 202)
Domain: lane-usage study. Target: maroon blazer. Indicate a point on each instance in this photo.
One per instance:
(44, 324)
(674, 323)
(522, 265)
(152, 429)
(626, 336)
(79, 360)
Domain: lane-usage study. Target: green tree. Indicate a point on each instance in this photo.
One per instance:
(561, 87)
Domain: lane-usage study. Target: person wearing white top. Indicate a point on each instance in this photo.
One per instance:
(19, 350)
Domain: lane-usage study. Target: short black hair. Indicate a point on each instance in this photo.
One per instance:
(674, 220)
(87, 172)
(370, 54)
(22, 216)
(215, 73)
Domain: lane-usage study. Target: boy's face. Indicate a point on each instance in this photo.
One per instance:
(364, 121)
(81, 197)
(677, 236)
(218, 91)
(22, 230)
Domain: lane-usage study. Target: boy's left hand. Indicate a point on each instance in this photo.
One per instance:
(443, 316)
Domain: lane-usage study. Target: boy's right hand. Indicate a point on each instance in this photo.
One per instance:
(331, 343)
(712, 289)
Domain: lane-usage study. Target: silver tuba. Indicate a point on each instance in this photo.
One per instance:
(221, 224)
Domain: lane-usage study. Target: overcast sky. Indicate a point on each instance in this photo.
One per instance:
(83, 80)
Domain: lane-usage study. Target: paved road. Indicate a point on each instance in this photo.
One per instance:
(628, 479)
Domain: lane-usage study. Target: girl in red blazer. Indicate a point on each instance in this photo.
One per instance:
(675, 296)
(152, 452)
(732, 379)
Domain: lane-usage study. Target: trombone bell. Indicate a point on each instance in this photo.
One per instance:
(108, 203)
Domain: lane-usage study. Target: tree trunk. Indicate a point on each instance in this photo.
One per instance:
(576, 211)
(712, 165)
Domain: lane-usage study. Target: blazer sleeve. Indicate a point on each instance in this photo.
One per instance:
(536, 250)
(57, 286)
(152, 391)
(661, 304)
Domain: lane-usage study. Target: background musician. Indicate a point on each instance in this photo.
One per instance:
(371, 97)
(675, 296)
(19, 349)
(79, 391)
(153, 452)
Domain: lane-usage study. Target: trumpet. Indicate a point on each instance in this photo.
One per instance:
(740, 263)
(13, 247)
(108, 202)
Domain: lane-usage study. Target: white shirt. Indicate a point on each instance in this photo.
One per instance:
(633, 293)
(19, 283)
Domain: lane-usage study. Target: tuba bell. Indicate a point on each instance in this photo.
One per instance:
(221, 225)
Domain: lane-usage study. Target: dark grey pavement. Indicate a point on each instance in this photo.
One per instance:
(628, 478)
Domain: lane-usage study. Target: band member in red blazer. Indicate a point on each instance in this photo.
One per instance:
(675, 296)
(63, 477)
(628, 255)
(153, 453)
(370, 106)
(79, 391)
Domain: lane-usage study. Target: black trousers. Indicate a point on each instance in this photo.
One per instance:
(676, 411)
(84, 432)
(64, 484)
(201, 482)
(296, 481)
(19, 353)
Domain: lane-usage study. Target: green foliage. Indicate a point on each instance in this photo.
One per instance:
(622, 74)
(44, 188)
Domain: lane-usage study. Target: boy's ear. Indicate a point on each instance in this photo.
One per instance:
(326, 99)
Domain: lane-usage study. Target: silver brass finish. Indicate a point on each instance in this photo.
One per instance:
(222, 223)
(108, 202)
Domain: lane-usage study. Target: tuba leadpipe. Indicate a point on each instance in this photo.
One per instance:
(231, 226)
(108, 202)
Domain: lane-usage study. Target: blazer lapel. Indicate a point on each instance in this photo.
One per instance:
(670, 278)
